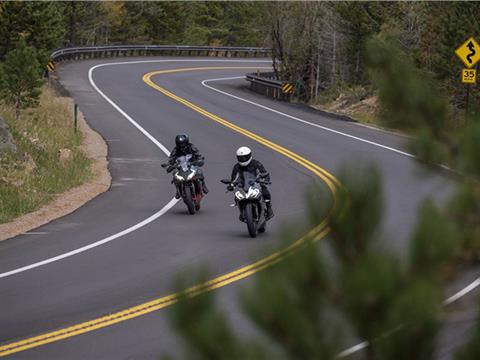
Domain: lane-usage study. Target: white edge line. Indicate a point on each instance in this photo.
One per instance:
(353, 349)
(462, 292)
(95, 244)
(153, 217)
(204, 83)
(469, 288)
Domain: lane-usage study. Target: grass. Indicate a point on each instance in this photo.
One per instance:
(33, 175)
(359, 103)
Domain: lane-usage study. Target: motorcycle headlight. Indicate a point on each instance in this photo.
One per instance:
(179, 177)
(239, 195)
(253, 193)
(191, 175)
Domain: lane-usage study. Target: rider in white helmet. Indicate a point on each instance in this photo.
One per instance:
(246, 163)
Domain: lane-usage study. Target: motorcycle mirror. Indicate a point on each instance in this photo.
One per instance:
(225, 181)
(164, 165)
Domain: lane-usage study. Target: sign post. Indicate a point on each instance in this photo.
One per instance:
(469, 53)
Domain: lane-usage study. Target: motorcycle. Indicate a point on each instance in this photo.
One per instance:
(250, 202)
(188, 184)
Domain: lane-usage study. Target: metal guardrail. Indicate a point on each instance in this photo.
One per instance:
(79, 53)
(268, 84)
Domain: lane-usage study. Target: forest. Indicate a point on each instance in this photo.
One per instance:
(322, 46)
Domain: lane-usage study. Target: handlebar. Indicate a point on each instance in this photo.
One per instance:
(258, 180)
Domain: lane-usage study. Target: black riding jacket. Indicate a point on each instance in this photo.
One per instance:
(255, 167)
(190, 149)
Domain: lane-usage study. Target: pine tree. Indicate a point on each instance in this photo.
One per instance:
(41, 24)
(309, 303)
(22, 77)
(471, 350)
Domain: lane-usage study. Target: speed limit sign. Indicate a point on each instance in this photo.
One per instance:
(469, 76)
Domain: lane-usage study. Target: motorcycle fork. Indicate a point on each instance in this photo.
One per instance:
(197, 190)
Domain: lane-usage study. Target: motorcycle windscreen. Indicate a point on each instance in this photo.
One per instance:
(248, 179)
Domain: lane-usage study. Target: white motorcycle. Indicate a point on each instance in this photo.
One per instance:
(250, 202)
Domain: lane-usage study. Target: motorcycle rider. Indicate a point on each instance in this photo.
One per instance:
(246, 163)
(184, 147)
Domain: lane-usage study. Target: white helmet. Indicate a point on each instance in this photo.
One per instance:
(244, 156)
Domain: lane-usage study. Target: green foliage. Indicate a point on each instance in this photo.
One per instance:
(368, 288)
(22, 78)
(362, 19)
(41, 24)
(151, 22)
(446, 26)
(470, 148)
(86, 22)
(414, 317)
(223, 23)
(307, 303)
(427, 148)
(471, 350)
(355, 222)
(206, 331)
(409, 99)
(2, 78)
(435, 243)
(288, 303)
(465, 210)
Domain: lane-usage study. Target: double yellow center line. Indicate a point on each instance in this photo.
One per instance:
(316, 233)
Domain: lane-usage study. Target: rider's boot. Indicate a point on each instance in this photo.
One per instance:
(270, 213)
(204, 187)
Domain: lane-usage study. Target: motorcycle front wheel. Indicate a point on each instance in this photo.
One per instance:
(188, 200)
(251, 223)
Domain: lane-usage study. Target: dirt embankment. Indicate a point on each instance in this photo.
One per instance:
(358, 104)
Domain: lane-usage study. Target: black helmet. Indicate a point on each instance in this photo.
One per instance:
(181, 140)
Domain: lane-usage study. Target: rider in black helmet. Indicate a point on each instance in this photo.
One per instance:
(184, 147)
(246, 163)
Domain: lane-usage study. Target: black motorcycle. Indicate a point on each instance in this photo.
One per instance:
(188, 184)
(250, 202)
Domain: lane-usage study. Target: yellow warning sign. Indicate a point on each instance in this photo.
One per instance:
(469, 76)
(51, 65)
(287, 88)
(469, 52)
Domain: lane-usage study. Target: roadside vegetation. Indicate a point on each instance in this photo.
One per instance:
(48, 159)
(323, 48)
(314, 303)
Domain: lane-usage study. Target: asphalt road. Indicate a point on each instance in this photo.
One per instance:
(141, 265)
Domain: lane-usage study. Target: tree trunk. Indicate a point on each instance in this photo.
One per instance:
(73, 22)
(317, 80)
(334, 70)
(17, 108)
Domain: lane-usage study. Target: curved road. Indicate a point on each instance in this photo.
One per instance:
(138, 265)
